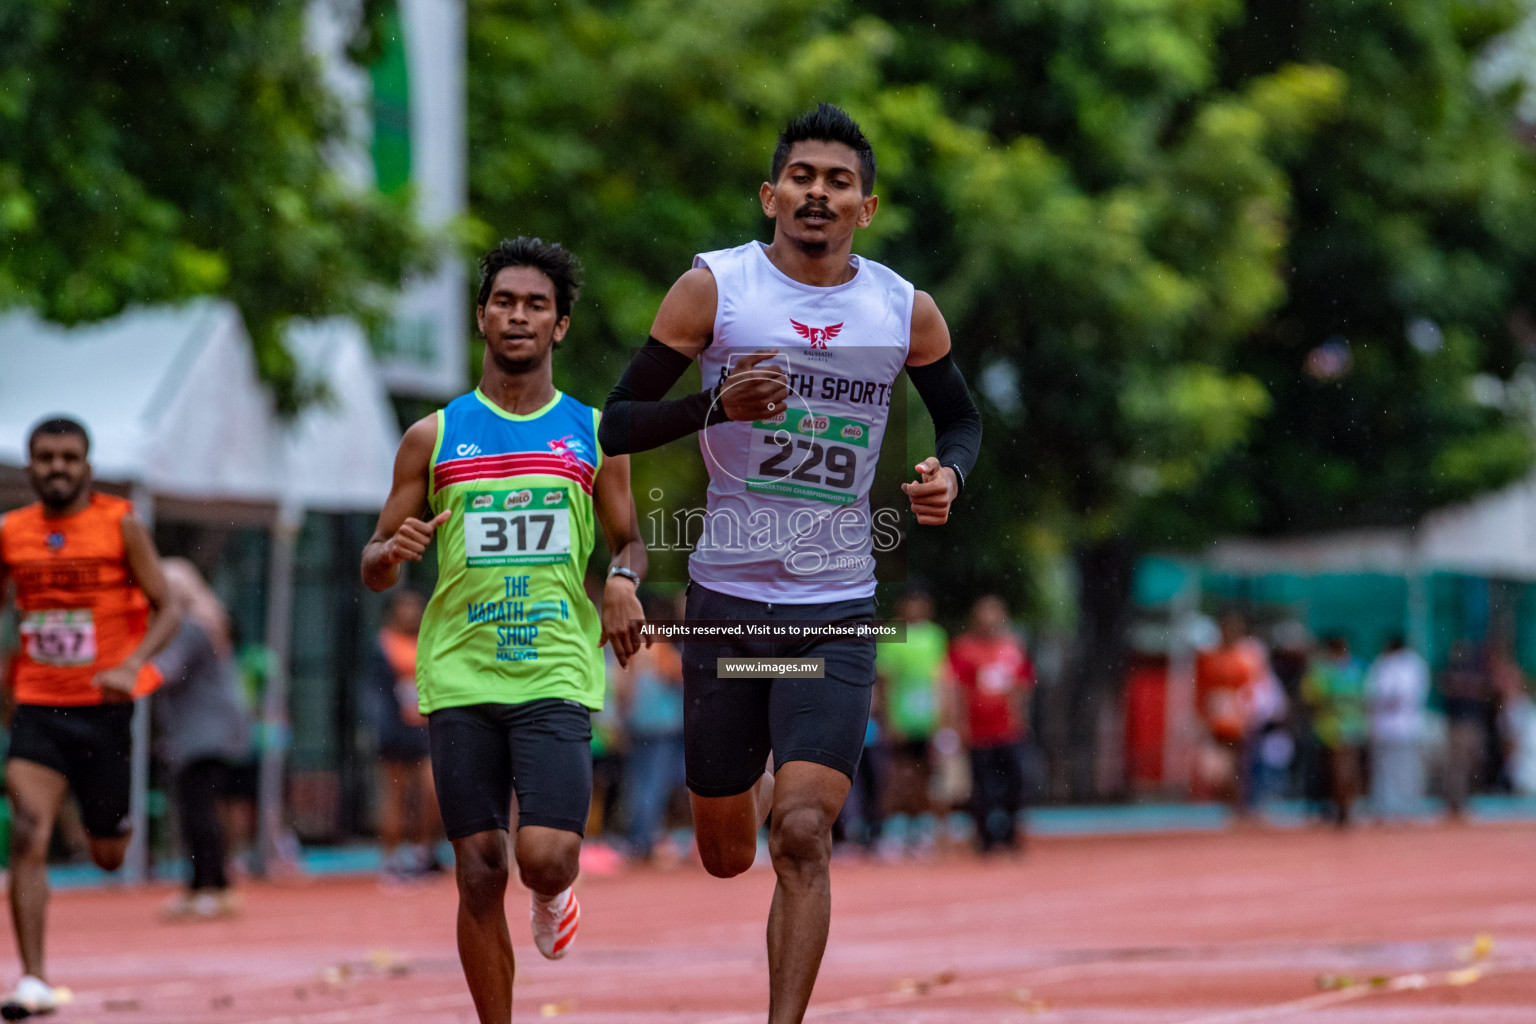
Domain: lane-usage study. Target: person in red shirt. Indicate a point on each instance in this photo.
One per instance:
(94, 609)
(993, 677)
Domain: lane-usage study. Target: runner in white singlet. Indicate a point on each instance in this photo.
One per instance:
(801, 344)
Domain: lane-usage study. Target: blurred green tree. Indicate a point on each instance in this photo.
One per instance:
(184, 148)
(1137, 216)
(1105, 225)
(1395, 362)
(636, 134)
(1099, 232)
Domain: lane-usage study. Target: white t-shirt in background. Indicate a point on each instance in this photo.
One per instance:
(1397, 687)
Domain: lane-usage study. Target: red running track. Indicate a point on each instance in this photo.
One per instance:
(1233, 928)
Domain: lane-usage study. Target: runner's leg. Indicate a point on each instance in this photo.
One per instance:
(726, 826)
(548, 859)
(36, 793)
(472, 773)
(807, 797)
(485, 945)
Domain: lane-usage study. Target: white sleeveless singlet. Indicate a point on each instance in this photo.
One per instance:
(788, 518)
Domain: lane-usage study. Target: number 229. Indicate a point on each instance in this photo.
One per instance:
(841, 463)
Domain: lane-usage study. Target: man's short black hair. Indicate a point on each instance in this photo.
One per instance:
(57, 426)
(557, 263)
(827, 123)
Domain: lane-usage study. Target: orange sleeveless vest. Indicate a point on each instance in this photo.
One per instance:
(79, 607)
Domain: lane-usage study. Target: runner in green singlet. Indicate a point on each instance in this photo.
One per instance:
(511, 481)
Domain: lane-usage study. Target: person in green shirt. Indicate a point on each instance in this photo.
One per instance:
(510, 484)
(909, 680)
(1334, 690)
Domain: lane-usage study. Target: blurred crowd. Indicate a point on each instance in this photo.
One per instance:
(949, 758)
(1293, 717)
(946, 753)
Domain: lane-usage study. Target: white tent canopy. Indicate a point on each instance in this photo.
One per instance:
(174, 406)
(1494, 536)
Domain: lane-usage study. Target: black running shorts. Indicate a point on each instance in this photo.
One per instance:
(90, 746)
(730, 725)
(483, 753)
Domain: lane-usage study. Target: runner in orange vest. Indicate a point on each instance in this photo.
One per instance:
(94, 608)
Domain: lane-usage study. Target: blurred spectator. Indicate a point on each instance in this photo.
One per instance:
(992, 678)
(1397, 687)
(1517, 717)
(1290, 656)
(1267, 739)
(910, 677)
(1237, 696)
(1509, 685)
(650, 694)
(1467, 688)
(1334, 689)
(204, 730)
(405, 767)
(609, 746)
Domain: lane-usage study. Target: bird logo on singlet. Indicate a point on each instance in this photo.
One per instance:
(817, 336)
(568, 448)
(55, 541)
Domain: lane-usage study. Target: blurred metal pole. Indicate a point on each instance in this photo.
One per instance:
(136, 859)
(274, 705)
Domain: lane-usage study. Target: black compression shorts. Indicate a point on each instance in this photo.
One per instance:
(483, 753)
(90, 746)
(730, 725)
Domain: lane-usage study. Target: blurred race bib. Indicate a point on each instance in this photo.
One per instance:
(60, 637)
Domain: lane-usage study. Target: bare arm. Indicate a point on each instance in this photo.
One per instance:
(401, 536)
(615, 506)
(117, 682)
(930, 334)
(685, 320)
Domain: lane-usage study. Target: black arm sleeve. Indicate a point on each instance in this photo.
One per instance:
(636, 416)
(956, 421)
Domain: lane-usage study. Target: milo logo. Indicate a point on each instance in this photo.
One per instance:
(517, 499)
(554, 497)
(778, 418)
(853, 432)
(483, 501)
(813, 424)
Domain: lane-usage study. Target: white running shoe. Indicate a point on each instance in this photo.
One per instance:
(32, 997)
(554, 923)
